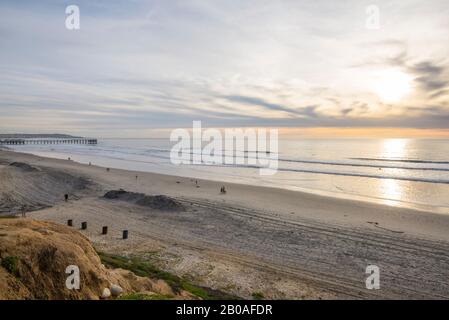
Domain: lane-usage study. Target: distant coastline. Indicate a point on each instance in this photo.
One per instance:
(34, 136)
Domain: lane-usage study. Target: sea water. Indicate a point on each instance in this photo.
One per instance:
(401, 172)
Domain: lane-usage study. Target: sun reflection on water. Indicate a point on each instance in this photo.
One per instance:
(392, 190)
(394, 148)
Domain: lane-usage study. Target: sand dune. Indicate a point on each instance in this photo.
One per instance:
(157, 202)
(24, 185)
(35, 255)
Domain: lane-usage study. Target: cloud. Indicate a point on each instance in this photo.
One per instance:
(440, 93)
(143, 64)
(431, 77)
(267, 105)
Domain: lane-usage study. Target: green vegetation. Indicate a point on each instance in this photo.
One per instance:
(141, 296)
(258, 296)
(11, 265)
(145, 269)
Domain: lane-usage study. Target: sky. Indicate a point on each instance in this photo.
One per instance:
(135, 67)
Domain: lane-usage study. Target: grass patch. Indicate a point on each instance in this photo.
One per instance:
(146, 269)
(141, 296)
(258, 296)
(11, 264)
(8, 217)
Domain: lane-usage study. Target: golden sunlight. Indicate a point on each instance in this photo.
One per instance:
(392, 85)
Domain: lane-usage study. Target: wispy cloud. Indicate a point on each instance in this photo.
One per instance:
(148, 64)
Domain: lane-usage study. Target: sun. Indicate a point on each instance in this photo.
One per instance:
(392, 85)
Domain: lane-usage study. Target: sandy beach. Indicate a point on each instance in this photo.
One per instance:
(283, 244)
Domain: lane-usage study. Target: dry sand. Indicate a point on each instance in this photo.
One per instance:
(284, 244)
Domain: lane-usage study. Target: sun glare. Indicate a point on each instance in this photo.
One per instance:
(392, 85)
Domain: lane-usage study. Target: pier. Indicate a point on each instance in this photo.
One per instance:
(88, 141)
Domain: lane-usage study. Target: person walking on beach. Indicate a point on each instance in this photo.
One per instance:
(24, 211)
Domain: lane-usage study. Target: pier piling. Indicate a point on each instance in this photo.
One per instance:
(15, 141)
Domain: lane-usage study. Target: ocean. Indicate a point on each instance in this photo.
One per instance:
(411, 173)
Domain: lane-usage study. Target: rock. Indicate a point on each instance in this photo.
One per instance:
(106, 293)
(116, 290)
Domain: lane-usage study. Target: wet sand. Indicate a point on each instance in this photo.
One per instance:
(284, 244)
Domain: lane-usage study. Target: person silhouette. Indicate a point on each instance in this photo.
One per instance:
(24, 211)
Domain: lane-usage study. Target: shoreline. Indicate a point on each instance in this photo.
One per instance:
(422, 207)
(285, 193)
(286, 244)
